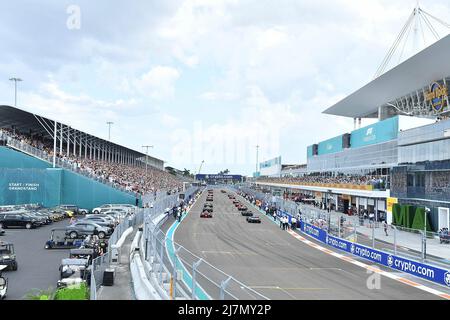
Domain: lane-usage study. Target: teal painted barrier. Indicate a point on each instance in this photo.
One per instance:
(187, 278)
(25, 179)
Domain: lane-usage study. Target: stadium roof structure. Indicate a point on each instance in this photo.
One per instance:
(26, 122)
(420, 70)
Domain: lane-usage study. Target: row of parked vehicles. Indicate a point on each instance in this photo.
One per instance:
(33, 217)
(88, 238)
(86, 235)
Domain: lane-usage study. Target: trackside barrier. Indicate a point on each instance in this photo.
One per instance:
(428, 272)
(143, 289)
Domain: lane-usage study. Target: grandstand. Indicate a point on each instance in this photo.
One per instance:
(403, 158)
(57, 145)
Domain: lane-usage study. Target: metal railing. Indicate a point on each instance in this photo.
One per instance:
(138, 218)
(186, 275)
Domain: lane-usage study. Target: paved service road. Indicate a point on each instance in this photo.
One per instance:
(38, 268)
(274, 263)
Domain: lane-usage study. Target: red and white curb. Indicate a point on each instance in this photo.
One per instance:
(371, 268)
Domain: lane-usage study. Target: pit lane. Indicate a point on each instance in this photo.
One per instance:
(274, 263)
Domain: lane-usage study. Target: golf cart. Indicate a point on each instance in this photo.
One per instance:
(60, 240)
(73, 271)
(7, 255)
(83, 253)
(3, 283)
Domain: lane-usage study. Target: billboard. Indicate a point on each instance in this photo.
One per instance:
(218, 177)
(332, 145)
(382, 131)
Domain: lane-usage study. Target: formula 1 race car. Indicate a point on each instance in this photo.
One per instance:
(253, 219)
(209, 199)
(206, 214)
(209, 209)
(242, 208)
(247, 213)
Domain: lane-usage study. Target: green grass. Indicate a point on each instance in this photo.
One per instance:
(76, 292)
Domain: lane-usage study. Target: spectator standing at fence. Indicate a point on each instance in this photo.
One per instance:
(293, 223)
(385, 227)
(274, 214)
(179, 216)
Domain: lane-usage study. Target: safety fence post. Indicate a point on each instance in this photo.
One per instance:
(373, 237)
(161, 260)
(175, 272)
(395, 239)
(223, 287)
(195, 265)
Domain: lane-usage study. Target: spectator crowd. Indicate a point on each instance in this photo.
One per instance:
(135, 179)
(378, 182)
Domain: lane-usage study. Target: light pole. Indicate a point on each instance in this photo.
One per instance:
(109, 123)
(257, 151)
(15, 88)
(146, 156)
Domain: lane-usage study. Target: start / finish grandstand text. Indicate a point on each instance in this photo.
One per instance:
(217, 150)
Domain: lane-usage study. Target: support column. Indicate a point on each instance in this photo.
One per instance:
(61, 141)
(68, 142)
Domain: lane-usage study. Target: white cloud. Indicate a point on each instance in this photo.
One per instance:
(159, 82)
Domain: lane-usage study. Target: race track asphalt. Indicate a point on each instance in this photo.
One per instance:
(38, 267)
(274, 263)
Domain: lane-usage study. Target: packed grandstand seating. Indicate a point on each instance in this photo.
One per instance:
(378, 182)
(136, 179)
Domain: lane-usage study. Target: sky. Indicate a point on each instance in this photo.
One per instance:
(200, 79)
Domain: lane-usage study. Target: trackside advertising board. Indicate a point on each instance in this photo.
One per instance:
(431, 273)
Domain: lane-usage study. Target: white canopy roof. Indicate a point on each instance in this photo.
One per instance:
(427, 66)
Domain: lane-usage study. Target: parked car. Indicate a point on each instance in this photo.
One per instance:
(18, 221)
(45, 216)
(104, 222)
(40, 220)
(114, 218)
(85, 228)
(108, 207)
(70, 207)
(59, 214)
(8, 256)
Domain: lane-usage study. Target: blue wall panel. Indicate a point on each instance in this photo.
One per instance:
(378, 132)
(332, 145)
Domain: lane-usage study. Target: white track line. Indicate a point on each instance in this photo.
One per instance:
(371, 268)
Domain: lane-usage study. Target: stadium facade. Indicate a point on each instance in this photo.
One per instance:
(408, 149)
